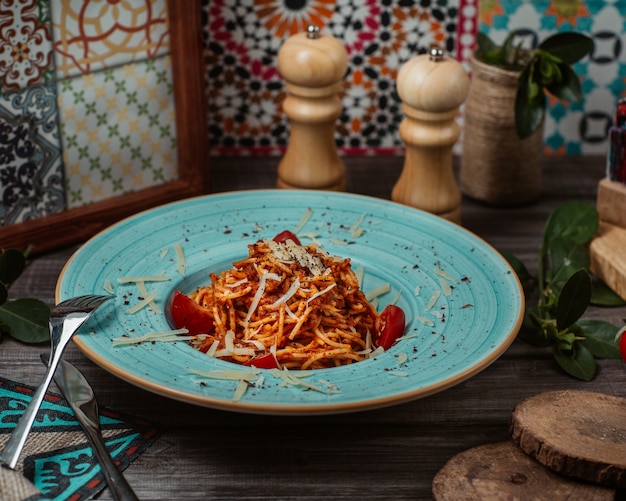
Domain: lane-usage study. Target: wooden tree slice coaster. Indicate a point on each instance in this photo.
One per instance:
(502, 471)
(577, 433)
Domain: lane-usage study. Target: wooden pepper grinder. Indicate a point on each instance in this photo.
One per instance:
(432, 87)
(313, 66)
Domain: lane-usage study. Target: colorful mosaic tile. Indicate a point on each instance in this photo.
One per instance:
(246, 91)
(31, 172)
(93, 34)
(118, 130)
(25, 44)
(572, 128)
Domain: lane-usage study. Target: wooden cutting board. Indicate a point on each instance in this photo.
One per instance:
(502, 471)
(576, 433)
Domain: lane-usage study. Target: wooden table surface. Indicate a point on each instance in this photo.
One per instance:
(390, 453)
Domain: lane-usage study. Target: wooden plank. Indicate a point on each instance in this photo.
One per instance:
(611, 203)
(608, 260)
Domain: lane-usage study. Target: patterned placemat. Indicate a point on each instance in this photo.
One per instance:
(57, 458)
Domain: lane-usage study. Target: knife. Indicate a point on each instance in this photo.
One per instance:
(79, 394)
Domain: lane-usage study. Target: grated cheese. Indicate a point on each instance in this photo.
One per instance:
(378, 291)
(323, 291)
(108, 286)
(151, 336)
(142, 304)
(433, 300)
(290, 379)
(148, 278)
(259, 293)
(240, 390)
(402, 357)
(180, 258)
(444, 274)
(144, 292)
(445, 287)
(355, 230)
(305, 219)
(425, 321)
(293, 288)
(360, 274)
(229, 374)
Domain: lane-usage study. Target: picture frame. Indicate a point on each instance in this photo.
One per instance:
(76, 225)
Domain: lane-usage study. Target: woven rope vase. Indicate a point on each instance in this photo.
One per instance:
(497, 167)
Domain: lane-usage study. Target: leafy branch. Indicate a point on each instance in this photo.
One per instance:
(564, 288)
(546, 68)
(23, 319)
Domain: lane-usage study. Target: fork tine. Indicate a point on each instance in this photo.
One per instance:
(79, 304)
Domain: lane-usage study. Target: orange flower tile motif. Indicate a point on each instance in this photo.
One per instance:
(94, 34)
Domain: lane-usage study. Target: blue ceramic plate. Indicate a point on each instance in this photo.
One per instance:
(477, 310)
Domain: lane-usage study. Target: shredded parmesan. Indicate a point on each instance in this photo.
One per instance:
(355, 230)
(433, 300)
(142, 304)
(151, 336)
(180, 258)
(424, 320)
(288, 294)
(141, 286)
(323, 291)
(305, 218)
(378, 291)
(445, 275)
(151, 278)
(108, 286)
(445, 287)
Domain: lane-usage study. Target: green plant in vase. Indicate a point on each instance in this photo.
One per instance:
(548, 67)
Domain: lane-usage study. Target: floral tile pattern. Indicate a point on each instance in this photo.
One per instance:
(118, 130)
(572, 128)
(25, 44)
(94, 34)
(31, 172)
(246, 91)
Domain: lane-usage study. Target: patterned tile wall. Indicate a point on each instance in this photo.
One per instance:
(574, 128)
(86, 103)
(246, 91)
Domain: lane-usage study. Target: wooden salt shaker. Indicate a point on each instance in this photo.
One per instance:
(432, 87)
(313, 66)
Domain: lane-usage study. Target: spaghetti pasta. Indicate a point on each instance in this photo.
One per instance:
(291, 303)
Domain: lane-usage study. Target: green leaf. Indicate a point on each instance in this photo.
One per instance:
(12, 264)
(578, 363)
(534, 333)
(573, 219)
(566, 88)
(564, 258)
(519, 268)
(574, 299)
(4, 293)
(530, 105)
(569, 47)
(485, 44)
(603, 295)
(600, 338)
(26, 320)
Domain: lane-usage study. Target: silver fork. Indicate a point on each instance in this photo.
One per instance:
(65, 319)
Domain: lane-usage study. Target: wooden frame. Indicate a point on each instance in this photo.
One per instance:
(76, 225)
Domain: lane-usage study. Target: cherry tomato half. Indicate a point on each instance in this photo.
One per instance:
(267, 361)
(390, 326)
(283, 236)
(189, 314)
